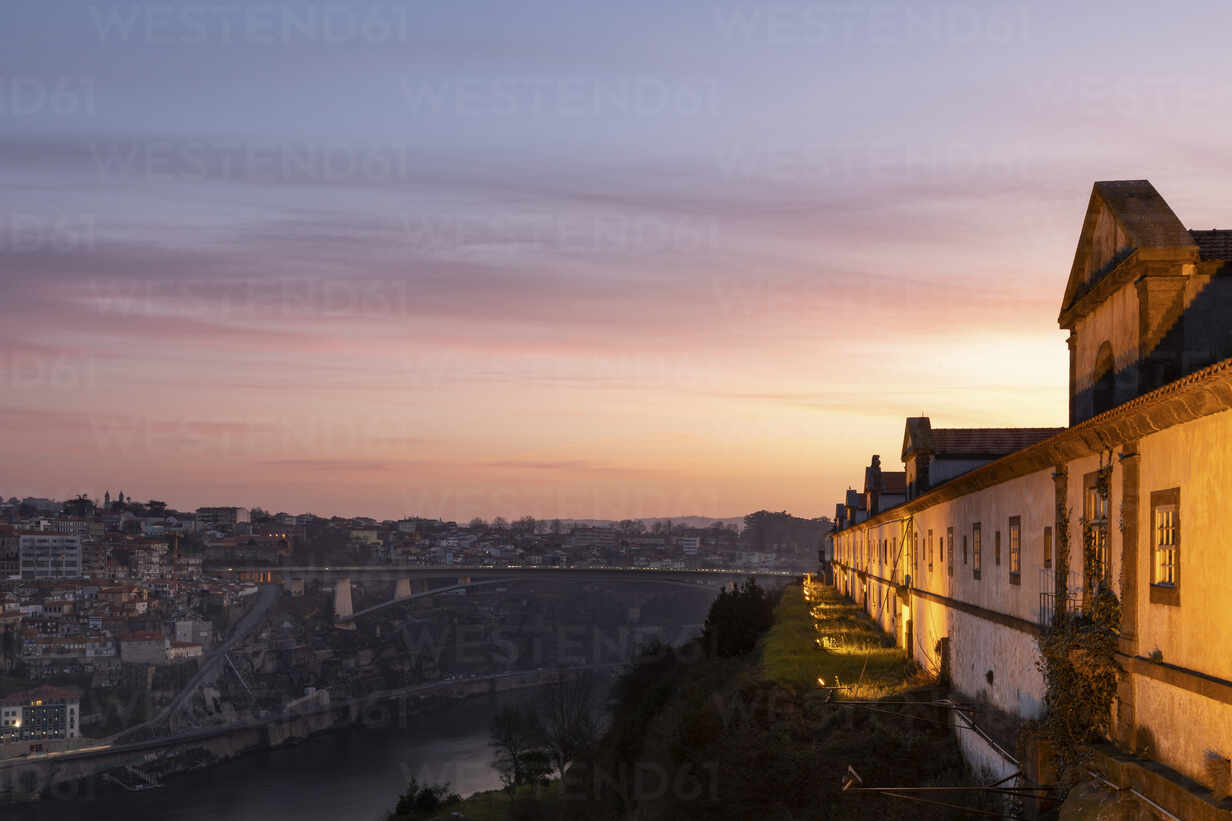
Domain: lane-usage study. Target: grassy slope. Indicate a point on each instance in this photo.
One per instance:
(759, 739)
(858, 658)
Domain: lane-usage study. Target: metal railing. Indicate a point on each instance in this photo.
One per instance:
(1048, 606)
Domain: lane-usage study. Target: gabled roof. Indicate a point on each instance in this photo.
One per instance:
(1213, 244)
(893, 482)
(1123, 216)
(917, 436)
(1138, 207)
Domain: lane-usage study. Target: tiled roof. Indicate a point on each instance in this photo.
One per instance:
(143, 635)
(986, 441)
(46, 693)
(1143, 213)
(894, 482)
(1213, 244)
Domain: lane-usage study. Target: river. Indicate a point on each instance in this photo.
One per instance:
(354, 774)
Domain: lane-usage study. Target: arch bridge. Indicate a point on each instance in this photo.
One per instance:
(407, 578)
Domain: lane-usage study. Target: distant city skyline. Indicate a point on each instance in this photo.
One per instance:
(572, 260)
(683, 520)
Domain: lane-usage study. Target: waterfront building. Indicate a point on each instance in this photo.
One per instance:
(44, 713)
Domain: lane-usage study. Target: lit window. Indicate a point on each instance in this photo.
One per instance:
(1165, 544)
(1166, 538)
(976, 549)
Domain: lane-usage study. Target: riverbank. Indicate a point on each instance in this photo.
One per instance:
(353, 773)
(87, 772)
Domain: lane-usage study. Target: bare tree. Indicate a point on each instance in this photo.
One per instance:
(569, 724)
(517, 737)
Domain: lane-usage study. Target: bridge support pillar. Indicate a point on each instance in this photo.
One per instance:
(403, 589)
(342, 600)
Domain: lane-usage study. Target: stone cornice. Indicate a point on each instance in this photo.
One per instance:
(1199, 394)
(1142, 260)
(1086, 300)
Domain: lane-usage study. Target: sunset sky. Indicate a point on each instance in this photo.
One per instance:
(557, 258)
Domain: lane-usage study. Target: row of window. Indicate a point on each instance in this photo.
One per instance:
(1164, 544)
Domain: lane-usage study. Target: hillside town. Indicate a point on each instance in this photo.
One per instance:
(119, 597)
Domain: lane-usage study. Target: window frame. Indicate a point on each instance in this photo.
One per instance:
(949, 550)
(1168, 593)
(977, 546)
(1092, 503)
(1047, 547)
(1014, 539)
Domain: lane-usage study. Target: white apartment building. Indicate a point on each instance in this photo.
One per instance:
(49, 556)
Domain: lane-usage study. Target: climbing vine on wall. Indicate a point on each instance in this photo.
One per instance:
(1061, 574)
(1095, 557)
(1078, 650)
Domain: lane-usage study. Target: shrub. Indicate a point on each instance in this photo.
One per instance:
(423, 801)
(736, 619)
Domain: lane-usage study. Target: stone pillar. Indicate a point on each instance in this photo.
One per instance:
(403, 589)
(342, 600)
(1061, 541)
(1161, 305)
(1072, 342)
(1126, 709)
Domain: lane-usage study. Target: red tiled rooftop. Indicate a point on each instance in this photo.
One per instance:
(986, 441)
(46, 692)
(894, 482)
(144, 635)
(1213, 244)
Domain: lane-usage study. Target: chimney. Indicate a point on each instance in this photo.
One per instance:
(874, 490)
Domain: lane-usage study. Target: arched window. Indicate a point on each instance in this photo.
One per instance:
(1105, 380)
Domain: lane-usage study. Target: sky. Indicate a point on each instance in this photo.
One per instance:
(558, 258)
